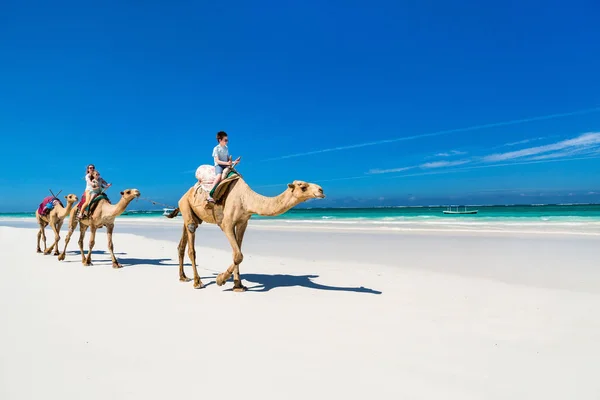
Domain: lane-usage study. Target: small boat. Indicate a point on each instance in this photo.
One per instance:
(167, 211)
(457, 211)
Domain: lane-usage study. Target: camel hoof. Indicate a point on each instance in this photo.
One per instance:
(198, 285)
(184, 279)
(61, 257)
(55, 254)
(47, 252)
(117, 265)
(220, 280)
(240, 289)
(87, 264)
(39, 251)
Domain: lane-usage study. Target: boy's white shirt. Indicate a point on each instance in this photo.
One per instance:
(221, 152)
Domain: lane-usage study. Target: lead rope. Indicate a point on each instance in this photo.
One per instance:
(156, 202)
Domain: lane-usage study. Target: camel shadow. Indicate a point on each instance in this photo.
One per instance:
(265, 283)
(78, 252)
(159, 262)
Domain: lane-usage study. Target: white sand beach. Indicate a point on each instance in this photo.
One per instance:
(329, 314)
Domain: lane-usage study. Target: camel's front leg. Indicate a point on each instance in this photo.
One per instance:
(88, 260)
(56, 228)
(59, 226)
(82, 230)
(239, 235)
(238, 257)
(72, 226)
(109, 230)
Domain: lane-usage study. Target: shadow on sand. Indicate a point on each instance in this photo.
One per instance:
(264, 283)
(73, 252)
(125, 262)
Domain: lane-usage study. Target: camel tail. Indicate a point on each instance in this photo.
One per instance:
(173, 213)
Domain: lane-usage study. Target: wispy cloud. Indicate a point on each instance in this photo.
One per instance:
(442, 164)
(451, 153)
(525, 141)
(388, 171)
(447, 170)
(438, 133)
(583, 145)
(573, 146)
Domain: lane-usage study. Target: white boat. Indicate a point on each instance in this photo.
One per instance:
(167, 211)
(457, 211)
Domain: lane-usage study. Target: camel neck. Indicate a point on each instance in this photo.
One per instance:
(270, 206)
(119, 208)
(63, 212)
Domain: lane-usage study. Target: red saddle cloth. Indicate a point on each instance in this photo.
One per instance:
(43, 209)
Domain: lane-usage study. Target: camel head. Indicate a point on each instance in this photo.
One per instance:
(305, 191)
(130, 194)
(71, 199)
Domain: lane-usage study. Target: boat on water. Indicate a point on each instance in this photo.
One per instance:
(457, 211)
(167, 211)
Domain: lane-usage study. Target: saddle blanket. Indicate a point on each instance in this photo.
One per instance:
(48, 204)
(94, 200)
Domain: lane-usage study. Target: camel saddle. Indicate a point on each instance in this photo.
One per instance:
(93, 204)
(48, 204)
(206, 179)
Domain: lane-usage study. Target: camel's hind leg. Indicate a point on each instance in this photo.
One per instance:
(191, 237)
(72, 226)
(41, 234)
(181, 253)
(88, 259)
(190, 224)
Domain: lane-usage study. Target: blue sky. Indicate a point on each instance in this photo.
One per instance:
(380, 102)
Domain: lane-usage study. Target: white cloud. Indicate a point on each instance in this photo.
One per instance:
(442, 164)
(525, 141)
(387, 171)
(586, 141)
(451, 153)
(587, 144)
(438, 133)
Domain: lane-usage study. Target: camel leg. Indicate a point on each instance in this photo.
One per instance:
(82, 229)
(181, 252)
(59, 226)
(237, 259)
(191, 237)
(88, 260)
(109, 232)
(43, 234)
(239, 234)
(39, 236)
(56, 229)
(72, 226)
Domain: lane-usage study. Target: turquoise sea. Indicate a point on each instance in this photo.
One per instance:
(489, 214)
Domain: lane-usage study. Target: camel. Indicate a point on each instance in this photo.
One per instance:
(55, 219)
(232, 214)
(102, 216)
